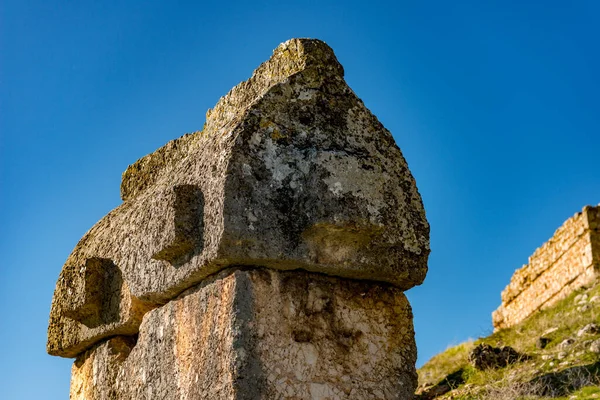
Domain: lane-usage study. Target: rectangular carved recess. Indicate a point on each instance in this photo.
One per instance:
(98, 295)
(187, 225)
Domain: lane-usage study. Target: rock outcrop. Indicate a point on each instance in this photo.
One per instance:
(569, 260)
(485, 356)
(263, 257)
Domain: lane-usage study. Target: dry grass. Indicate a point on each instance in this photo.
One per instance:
(571, 381)
(512, 391)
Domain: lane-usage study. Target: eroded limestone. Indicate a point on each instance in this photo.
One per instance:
(263, 257)
(290, 171)
(264, 334)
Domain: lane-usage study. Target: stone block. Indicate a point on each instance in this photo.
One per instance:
(94, 373)
(264, 334)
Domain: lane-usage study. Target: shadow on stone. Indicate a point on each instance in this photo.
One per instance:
(188, 226)
(98, 299)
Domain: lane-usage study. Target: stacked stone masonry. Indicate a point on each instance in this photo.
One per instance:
(264, 257)
(569, 260)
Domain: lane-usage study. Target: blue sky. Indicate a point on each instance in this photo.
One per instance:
(495, 105)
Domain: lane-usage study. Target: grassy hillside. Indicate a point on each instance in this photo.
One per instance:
(568, 367)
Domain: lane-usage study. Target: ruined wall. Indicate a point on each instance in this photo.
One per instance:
(570, 259)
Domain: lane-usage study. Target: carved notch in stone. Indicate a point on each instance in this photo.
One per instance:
(95, 293)
(183, 236)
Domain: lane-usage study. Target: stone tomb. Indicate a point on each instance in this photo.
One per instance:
(264, 257)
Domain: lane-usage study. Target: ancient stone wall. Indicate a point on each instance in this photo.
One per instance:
(570, 259)
(264, 257)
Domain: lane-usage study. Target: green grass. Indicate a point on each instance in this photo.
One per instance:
(518, 379)
(442, 365)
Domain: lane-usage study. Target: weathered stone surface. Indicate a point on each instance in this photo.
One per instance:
(95, 372)
(264, 334)
(91, 302)
(290, 171)
(568, 261)
(595, 346)
(565, 344)
(589, 329)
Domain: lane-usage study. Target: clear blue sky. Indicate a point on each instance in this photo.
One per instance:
(494, 104)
